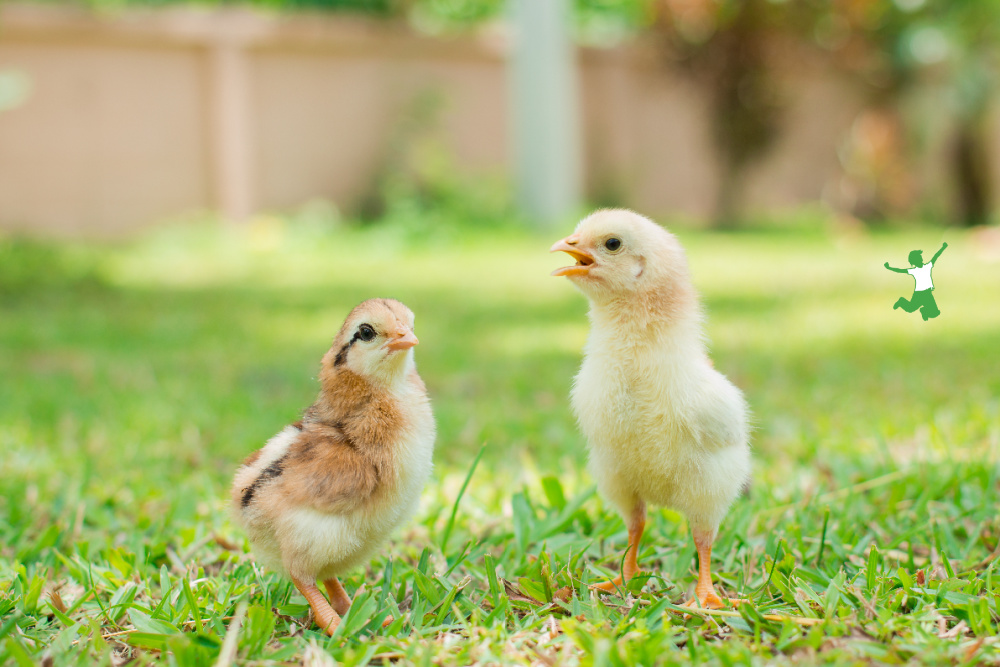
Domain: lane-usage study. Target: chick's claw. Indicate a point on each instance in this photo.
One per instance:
(608, 586)
(713, 601)
(615, 584)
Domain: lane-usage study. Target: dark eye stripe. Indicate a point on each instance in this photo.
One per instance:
(369, 335)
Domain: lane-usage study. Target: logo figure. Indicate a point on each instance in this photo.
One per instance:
(922, 298)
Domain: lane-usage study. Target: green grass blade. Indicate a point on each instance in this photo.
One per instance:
(454, 508)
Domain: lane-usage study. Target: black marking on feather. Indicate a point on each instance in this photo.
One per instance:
(342, 354)
(306, 451)
(268, 473)
(347, 440)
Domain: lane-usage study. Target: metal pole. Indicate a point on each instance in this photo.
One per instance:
(545, 110)
(232, 151)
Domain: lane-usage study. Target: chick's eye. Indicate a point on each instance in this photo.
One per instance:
(614, 244)
(366, 332)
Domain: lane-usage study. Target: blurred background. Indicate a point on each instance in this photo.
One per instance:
(118, 114)
(194, 195)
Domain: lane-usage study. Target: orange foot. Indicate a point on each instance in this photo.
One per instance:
(608, 586)
(614, 585)
(711, 600)
(323, 614)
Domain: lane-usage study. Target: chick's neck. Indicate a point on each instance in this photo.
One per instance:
(346, 393)
(343, 394)
(672, 310)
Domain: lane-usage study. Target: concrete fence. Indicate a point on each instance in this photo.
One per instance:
(133, 117)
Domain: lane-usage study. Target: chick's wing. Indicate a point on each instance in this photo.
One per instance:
(325, 471)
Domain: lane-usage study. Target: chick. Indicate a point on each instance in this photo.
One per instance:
(323, 494)
(663, 426)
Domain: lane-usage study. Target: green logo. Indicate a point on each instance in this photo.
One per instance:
(923, 296)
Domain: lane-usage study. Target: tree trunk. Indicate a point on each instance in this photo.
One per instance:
(729, 197)
(971, 166)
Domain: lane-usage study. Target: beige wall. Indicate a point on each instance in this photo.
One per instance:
(109, 138)
(141, 116)
(149, 115)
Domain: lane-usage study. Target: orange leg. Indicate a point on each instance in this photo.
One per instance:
(326, 617)
(636, 524)
(704, 590)
(339, 598)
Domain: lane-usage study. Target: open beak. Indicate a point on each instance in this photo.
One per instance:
(584, 260)
(404, 340)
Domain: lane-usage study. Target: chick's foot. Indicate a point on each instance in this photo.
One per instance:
(323, 613)
(713, 601)
(608, 586)
(614, 585)
(339, 598)
(630, 567)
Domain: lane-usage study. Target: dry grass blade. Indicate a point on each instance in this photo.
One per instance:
(985, 563)
(696, 611)
(112, 635)
(228, 545)
(315, 656)
(229, 645)
(515, 593)
(972, 650)
(57, 601)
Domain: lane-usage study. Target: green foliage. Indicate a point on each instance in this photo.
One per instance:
(28, 266)
(420, 191)
(439, 15)
(127, 398)
(383, 8)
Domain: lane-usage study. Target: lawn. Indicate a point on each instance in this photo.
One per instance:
(134, 377)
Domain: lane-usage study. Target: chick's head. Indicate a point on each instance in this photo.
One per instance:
(620, 255)
(376, 342)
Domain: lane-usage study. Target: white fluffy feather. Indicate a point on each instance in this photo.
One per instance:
(329, 544)
(662, 425)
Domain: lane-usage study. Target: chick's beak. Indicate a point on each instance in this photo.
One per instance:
(584, 260)
(404, 340)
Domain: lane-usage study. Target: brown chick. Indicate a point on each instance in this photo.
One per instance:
(323, 494)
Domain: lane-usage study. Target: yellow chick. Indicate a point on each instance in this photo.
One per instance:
(323, 494)
(663, 426)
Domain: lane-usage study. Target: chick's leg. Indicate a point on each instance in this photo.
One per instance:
(341, 601)
(704, 590)
(326, 617)
(339, 598)
(636, 525)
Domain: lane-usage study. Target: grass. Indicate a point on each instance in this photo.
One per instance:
(134, 378)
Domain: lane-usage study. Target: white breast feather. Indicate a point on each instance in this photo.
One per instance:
(662, 425)
(329, 544)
